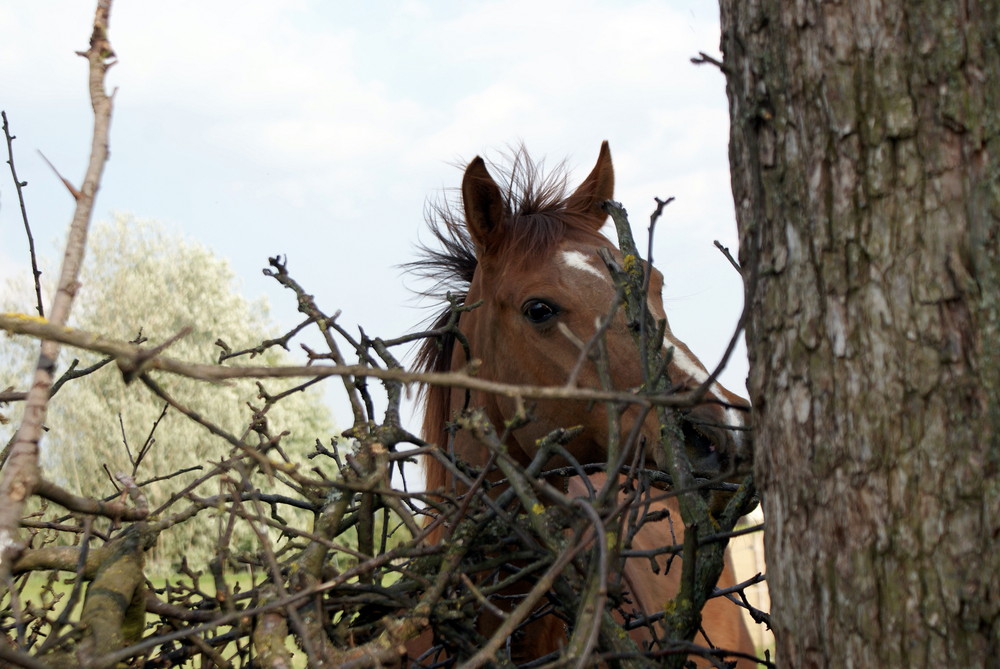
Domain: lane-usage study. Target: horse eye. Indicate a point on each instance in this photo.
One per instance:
(539, 311)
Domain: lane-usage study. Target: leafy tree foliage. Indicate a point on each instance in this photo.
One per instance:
(142, 281)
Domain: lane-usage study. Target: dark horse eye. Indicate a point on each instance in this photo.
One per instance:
(539, 311)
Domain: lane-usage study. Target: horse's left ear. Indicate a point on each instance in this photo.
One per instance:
(485, 206)
(597, 188)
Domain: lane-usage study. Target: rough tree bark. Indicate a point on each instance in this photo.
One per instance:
(864, 150)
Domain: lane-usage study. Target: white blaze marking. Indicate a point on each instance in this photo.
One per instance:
(735, 418)
(578, 261)
(699, 375)
(687, 365)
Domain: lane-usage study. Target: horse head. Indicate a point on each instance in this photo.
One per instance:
(533, 266)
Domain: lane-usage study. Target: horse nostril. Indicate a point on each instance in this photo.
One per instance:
(703, 451)
(695, 438)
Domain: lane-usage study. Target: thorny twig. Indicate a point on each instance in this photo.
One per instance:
(19, 187)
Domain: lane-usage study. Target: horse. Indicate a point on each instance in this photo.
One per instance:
(522, 261)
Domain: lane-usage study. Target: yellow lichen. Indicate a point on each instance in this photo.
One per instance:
(538, 509)
(25, 317)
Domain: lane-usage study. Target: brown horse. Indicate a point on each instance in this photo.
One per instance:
(527, 253)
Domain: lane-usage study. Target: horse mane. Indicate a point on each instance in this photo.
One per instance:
(539, 220)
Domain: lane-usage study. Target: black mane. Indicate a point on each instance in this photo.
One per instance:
(537, 203)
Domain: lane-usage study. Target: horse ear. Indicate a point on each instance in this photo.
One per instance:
(597, 188)
(485, 207)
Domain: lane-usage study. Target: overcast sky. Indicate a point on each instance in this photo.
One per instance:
(319, 130)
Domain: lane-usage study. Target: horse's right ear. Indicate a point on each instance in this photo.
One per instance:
(485, 206)
(596, 189)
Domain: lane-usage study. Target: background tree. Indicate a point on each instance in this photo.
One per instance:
(864, 159)
(140, 279)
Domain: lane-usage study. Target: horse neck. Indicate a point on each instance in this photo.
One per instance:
(437, 413)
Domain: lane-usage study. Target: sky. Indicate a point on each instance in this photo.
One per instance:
(321, 130)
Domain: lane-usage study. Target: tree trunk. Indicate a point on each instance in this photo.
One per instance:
(864, 151)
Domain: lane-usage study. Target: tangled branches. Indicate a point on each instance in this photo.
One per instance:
(351, 561)
(359, 584)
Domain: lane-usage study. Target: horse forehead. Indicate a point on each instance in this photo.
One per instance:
(588, 263)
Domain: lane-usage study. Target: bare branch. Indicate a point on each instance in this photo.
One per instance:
(134, 357)
(20, 472)
(19, 187)
(704, 59)
(94, 507)
(729, 256)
